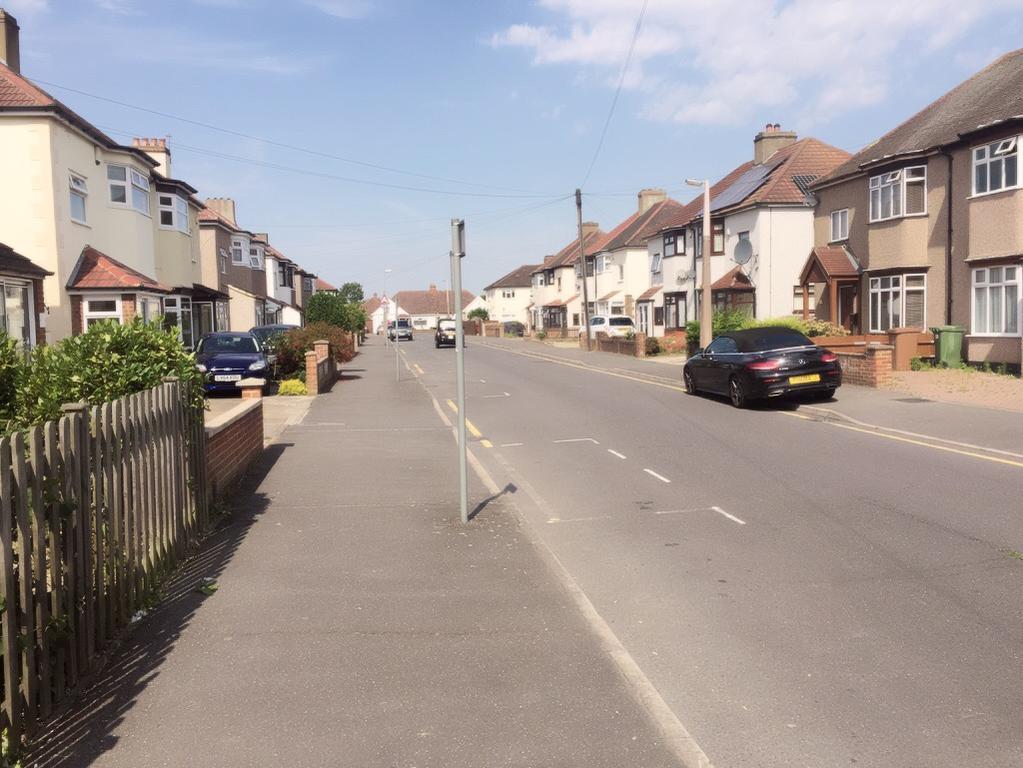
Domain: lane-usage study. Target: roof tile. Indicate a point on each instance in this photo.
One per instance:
(95, 270)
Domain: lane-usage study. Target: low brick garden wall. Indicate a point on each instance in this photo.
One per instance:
(634, 347)
(870, 368)
(234, 439)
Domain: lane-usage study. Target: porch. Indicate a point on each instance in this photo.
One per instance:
(837, 272)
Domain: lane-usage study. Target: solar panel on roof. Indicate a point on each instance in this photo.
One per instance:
(803, 182)
(742, 188)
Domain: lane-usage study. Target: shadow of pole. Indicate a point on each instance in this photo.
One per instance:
(510, 488)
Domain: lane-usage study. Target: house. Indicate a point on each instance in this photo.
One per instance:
(22, 307)
(764, 201)
(426, 307)
(924, 227)
(507, 299)
(557, 290)
(373, 307)
(622, 281)
(282, 289)
(322, 285)
(479, 302)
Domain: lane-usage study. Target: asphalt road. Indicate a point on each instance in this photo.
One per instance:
(799, 594)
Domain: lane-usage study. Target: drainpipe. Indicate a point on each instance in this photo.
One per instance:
(948, 241)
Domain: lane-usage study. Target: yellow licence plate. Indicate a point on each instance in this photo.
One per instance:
(808, 379)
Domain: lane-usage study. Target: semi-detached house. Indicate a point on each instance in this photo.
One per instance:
(508, 298)
(557, 289)
(924, 227)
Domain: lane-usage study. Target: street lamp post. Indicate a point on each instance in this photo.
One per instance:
(706, 309)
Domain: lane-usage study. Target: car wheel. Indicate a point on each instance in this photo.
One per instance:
(688, 383)
(736, 393)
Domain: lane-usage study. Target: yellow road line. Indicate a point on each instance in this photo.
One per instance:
(898, 438)
(468, 424)
(418, 369)
(486, 444)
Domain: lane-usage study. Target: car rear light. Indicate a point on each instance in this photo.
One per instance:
(765, 365)
(828, 357)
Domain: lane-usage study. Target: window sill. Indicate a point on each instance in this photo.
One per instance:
(81, 223)
(844, 240)
(899, 218)
(994, 336)
(981, 195)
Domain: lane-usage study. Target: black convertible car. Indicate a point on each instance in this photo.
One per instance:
(760, 363)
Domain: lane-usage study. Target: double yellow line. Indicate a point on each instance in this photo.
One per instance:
(471, 427)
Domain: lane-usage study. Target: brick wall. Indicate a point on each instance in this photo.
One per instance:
(870, 368)
(234, 441)
(76, 315)
(321, 370)
(634, 347)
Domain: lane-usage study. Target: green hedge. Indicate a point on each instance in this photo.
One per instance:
(737, 320)
(105, 363)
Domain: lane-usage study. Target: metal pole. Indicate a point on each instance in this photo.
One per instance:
(707, 310)
(457, 252)
(582, 260)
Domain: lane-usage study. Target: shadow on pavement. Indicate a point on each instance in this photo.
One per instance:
(76, 736)
(510, 488)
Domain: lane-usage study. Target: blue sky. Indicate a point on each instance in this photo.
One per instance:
(507, 97)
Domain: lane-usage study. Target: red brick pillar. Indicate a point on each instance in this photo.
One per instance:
(879, 365)
(76, 315)
(311, 382)
(640, 341)
(322, 349)
(252, 389)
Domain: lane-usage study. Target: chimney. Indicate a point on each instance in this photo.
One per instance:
(9, 48)
(649, 198)
(589, 227)
(223, 206)
(156, 149)
(433, 288)
(769, 141)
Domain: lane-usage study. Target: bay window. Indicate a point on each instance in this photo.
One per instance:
(897, 194)
(996, 301)
(898, 301)
(256, 257)
(238, 247)
(996, 166)
(79, 191)
(128, 188)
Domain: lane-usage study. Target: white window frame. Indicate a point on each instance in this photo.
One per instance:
(797, 300)
(841, 231)
(600, 264)
(875, 288)
(656, 263)
(78, 188)
(992, 153)
(133, 180)
(257, 260)
(987, 286)
(507, 293)
(896, 181)
(239, 251)
(178, 209)
(88, 314)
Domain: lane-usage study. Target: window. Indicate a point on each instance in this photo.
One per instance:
(655, 263)
(717, 231)
(78, 193)
(669, 245)
(898, 193)
(996, 301)
(621, 273)
(256, 257)
(840, 225)
(223, 261)
(177, 312)
(674, 310)
(307, 284)
(16, 311)
(897, 301)
(101, 309)
(996, 166)
(575, 319)
(124, 181)
(174, 212)
(222, 316)
(617, 309)
(506, 294)
(238, 251)
(797, 299)
(602, 263)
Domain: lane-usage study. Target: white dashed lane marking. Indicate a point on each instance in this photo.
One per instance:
(662, 478)
(615, 453)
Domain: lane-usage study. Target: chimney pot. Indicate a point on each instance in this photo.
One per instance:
(769, 141)
(10, 48)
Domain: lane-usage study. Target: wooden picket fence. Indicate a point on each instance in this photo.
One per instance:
(94, 509)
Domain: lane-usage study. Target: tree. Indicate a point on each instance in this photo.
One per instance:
(479, 313)
(331, 308)
(351, 293)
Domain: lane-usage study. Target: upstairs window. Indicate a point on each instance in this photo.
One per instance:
(898, 193)
(996, 166)
(601, 263)
(79, 191)
(507, 294)
(173, 212)
(840, 225)
(256, 257)
(128, 188)
(238, 251)
(307, 284)
(655, 263)
(223, 261)
(669, 245)
(717, 231)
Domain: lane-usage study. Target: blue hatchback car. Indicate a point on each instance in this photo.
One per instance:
(226, 358)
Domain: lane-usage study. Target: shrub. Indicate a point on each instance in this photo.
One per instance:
(12, 371)
(815, 327)
(541, 334)
(479, 313)
(290, 347)
(653, 346)
(292, 387)
(105, 363)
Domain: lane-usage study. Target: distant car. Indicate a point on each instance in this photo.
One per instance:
(264, 333)
(404, 329)
(514, 328)
(226, 358)
(445, 335)
(760, 363)
(612, 325)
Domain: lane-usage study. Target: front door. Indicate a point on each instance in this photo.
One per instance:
(847, 306)
(643, 317)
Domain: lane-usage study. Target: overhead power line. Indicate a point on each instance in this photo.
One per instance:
(271, 142)
(618, 92)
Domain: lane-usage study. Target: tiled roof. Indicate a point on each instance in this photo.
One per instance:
(371, 305)
(211, 216)
(992, 95)
(517, 278)
(95, 270)
(13, 263)
(835, 260)
(570, 253)
(649, 293)
(608, 296)
(635, 230)
(734, 280)
(562, 302)
(323, 285)
(430, 302)
(17, 93)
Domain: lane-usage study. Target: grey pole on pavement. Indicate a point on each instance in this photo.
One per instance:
(457, 252)
(707, 249)
(582, 260)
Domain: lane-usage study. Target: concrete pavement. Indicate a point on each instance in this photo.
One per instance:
(358, 623)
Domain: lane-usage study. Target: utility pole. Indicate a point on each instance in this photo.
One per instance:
(582, 260)
(707, 248)
(457, 252)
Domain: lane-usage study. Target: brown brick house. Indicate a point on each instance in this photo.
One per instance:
(932, 216)
(21, 297)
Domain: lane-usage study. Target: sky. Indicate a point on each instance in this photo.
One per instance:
(352, 131)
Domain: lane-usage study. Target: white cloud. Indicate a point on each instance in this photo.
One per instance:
(343, 9)
(725, 61)
(26, 8)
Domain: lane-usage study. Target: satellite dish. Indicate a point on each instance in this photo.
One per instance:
(743, 251)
